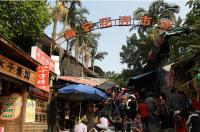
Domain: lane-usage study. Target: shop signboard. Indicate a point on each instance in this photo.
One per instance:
(30, 110)
(10, 106)
(42, 79)
(16, 70)
(42, 58)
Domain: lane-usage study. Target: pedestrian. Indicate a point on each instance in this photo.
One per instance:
(103, 123)
(82, 126)
(123, 107)
(133, 108)
(117, 122)
(137, 124)
(144, 112)
(153, 118)
(193, 121)
(162, 112)
(180, 122)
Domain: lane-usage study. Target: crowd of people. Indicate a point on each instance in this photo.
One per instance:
(151, 113)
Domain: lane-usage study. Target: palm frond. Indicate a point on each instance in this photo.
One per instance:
(100, 55)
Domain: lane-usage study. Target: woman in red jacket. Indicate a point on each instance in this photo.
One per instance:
(144, 112)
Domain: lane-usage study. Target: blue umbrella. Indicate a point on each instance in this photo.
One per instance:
(81, 92)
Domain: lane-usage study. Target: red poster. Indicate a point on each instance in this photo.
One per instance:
(42, 79)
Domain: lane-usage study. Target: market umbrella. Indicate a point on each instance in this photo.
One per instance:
(81, 92)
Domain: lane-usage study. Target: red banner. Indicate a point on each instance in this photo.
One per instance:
(42, 79)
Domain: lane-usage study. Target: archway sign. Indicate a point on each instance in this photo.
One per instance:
(145, 21)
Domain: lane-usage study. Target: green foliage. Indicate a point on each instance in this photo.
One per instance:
(121, 79)
(188, 44)
(135, 52)
(157, 10)
(193, 17)
(116, 78)
(23, 21)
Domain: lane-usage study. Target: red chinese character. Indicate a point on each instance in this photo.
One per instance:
(145, 20)
(105, 22)
(165, 24)
(125, 20)
(69, 34)
(86, 27)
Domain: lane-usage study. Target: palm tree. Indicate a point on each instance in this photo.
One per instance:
(157, 10)
(96, 56)
(57, 14)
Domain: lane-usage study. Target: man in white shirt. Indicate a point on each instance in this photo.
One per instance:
(81, 127)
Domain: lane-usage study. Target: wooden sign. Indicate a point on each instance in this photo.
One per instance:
(16, 70)
(42, 79)
(10, 106)
(30, 110)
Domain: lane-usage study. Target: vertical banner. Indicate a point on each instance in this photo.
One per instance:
(1, 129)
(42, 79)
(30, 110)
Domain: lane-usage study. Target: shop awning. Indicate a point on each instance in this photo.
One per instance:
(142, 75)
(142, 79)
(78, 80)
(100, 83)
(106, 85)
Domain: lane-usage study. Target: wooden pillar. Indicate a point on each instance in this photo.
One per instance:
(23, 111)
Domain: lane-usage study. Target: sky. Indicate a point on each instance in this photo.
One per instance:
(113, 38)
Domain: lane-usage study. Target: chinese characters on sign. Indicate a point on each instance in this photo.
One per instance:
(145, 21)
(42, 79)
(125, 20)
(30, 111)
(16, 70)
(87, 27)
(42, 58)
(10, 106)
(122, 21)
(105, 22)
(69, 34)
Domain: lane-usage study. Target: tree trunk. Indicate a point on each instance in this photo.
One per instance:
(92, 64)
(53, 35)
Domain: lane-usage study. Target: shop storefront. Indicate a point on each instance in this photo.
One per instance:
(23, 103)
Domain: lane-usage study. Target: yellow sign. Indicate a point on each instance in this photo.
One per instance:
(16, 70)
(30, 110)
(10, 106)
